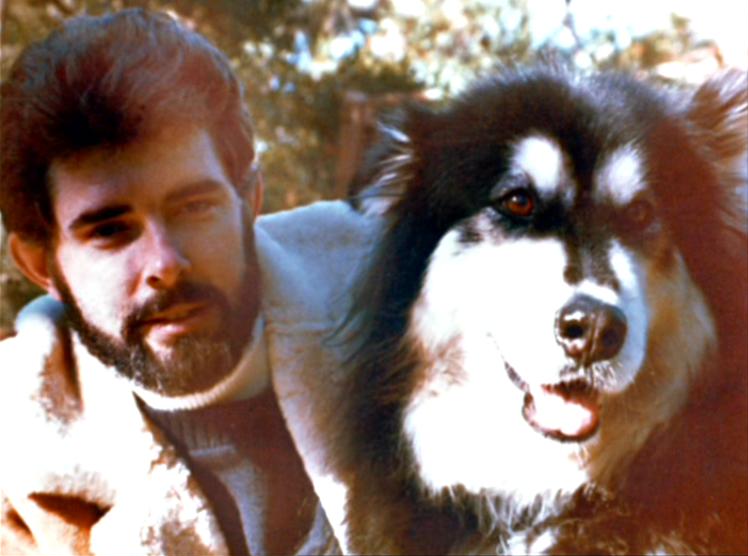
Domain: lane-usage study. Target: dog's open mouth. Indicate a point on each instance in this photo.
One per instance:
(567, 411)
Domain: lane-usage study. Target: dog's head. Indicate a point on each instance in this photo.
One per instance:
(540, 302)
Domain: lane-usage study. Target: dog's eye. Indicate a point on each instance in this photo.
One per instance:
(639, 215)
(519, 202)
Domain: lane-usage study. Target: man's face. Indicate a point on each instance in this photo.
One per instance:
(154, 258)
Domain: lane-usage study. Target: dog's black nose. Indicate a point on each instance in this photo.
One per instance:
(590, 330)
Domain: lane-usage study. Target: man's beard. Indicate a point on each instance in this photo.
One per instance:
(197, 362)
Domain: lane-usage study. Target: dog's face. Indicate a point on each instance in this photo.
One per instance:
(555, 322)
(546, 319)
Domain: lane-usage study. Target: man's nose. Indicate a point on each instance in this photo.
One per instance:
(165, 261)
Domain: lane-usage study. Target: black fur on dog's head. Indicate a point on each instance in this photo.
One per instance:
(435, 172)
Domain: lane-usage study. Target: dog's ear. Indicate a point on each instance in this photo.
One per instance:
(718, 117)
(718, 110)
(389, 166)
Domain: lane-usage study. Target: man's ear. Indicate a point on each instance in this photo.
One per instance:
(32, 259)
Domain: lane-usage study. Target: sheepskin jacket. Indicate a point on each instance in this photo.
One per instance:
(83, 471)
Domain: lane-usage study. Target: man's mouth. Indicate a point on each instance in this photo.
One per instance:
(568, 410)
(178, 320)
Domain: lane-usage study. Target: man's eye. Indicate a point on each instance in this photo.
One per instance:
(197, 207)
(111, 231)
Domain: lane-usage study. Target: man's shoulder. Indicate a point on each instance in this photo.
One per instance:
(35, 394)
(37, 327)
(309, 257)
(325, 223)
(26, 357)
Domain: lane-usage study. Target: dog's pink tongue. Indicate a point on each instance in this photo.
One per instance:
(562, 416)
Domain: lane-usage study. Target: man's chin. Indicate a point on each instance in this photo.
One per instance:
(181, 366)
(189, 366)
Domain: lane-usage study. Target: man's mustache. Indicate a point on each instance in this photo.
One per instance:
(182, 293)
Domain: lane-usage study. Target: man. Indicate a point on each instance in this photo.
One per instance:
(136, 407)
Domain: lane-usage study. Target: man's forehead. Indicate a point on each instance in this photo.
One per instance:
(153, 170)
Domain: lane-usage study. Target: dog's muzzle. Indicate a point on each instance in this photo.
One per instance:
(568, 410)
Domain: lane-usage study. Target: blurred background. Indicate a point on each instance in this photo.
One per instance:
(318, 73)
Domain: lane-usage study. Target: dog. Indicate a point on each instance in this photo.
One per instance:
(548, 349)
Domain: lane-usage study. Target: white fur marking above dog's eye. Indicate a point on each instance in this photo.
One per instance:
(621, 176)
(542, 159)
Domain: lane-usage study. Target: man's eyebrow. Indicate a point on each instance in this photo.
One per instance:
(101, 214)
(199, 187)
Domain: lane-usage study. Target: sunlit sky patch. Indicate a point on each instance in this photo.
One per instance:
(721, 21)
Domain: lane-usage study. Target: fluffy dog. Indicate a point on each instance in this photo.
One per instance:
(549, 348)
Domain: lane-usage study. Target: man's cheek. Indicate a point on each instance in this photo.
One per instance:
(103, 308)
(222, 265)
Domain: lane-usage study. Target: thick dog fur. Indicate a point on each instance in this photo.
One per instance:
(639, 203)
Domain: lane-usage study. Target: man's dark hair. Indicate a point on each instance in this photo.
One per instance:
(106, 82)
